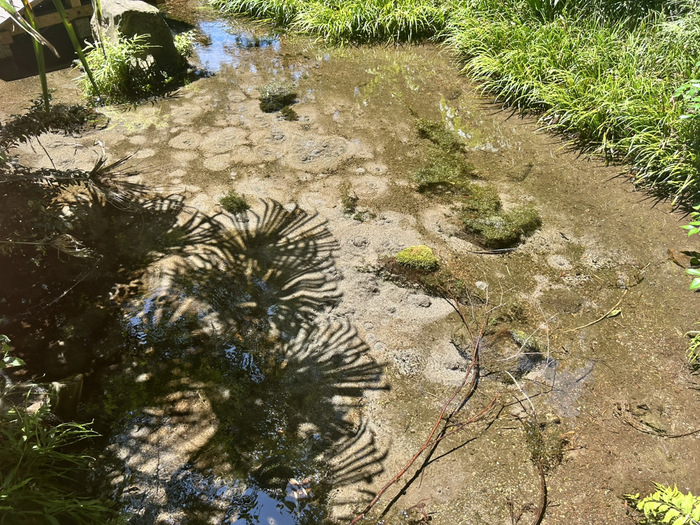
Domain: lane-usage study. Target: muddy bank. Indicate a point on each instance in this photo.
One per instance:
(177, 441)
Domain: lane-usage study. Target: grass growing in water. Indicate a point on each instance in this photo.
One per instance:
(346, 21)
(603, 70)
(610, 84)
(124, 72)
(39, 467)
(39, 471)
(234, 203)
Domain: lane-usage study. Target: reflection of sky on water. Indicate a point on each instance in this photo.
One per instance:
(225, 44)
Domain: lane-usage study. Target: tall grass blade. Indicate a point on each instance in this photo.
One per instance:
(74, 40)
(39, 53)
(22, 23)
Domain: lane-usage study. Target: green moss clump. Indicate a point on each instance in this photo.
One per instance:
(481, 212)
(436, 132)
(447, 169)
(347, 197)
(289, 114)
(501, 229)
(445, 172)
(276, 96)
(234, 203)
(481, 201)
(418, 257)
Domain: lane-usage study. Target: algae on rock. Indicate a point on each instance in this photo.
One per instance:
(418, 257)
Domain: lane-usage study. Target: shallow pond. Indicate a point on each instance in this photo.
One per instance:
(264, 368)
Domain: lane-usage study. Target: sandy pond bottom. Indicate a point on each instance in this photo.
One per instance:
(277, 377)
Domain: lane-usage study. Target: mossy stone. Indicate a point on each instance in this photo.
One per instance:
(502, 229)
(419, 257)
(276, 96)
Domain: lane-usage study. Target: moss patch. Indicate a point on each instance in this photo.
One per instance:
(481, 213)
(419, 257)
(500, 229)
(436, 132)
(277, 96)
(447, 169)
(348, 198)
(289, 114)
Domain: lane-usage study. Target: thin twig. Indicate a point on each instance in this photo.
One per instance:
(607, 314)
(496, 251)
(622, 414)
(542, 504)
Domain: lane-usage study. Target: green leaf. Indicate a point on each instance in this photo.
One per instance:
(9, 361)
(695, 284)
(22, 23)
(52, 520)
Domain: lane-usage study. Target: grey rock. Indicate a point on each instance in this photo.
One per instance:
(134, 17)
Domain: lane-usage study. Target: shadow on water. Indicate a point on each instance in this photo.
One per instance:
(241, 399)
(69, 239)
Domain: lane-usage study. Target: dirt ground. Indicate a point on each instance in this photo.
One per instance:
(611, 391)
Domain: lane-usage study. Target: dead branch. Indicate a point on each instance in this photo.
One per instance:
(542, 503)
(469, 382)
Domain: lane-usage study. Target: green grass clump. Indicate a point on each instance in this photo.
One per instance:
(184, 43)
(693, 352)
(610, 84)
(234, 203)
(280, 12)
(41, 472)
(121, 74)
(345, 21)
(419, 258)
